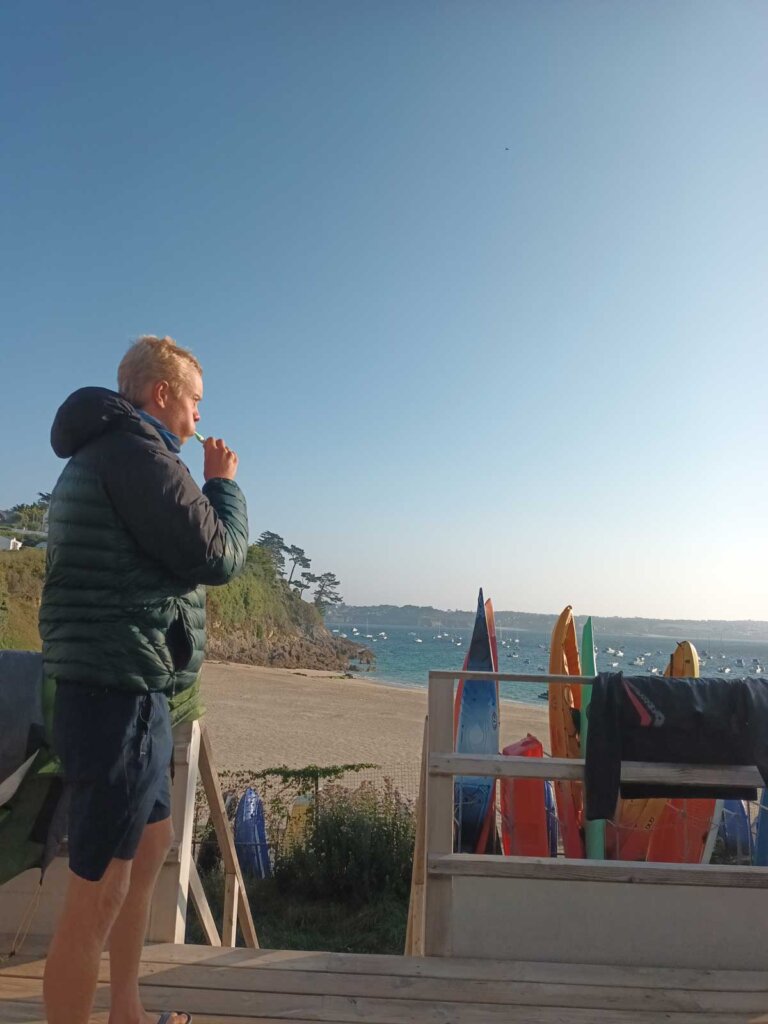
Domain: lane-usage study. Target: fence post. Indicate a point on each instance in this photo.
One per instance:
(438, 890)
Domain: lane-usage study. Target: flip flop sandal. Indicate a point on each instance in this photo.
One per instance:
(165, 1018)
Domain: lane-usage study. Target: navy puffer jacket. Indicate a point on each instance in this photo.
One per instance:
(132, 541)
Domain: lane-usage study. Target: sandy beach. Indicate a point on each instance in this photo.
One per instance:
(262, 717)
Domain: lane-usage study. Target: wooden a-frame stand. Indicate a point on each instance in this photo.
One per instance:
(179, 877)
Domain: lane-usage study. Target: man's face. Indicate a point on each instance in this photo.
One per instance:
(180, 412)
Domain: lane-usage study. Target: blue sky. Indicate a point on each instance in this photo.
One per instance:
(478, 288)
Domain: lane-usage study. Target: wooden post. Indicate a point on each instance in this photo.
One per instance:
(200, 902)
(234, 891)
(168, 914)
(439, 838)
(414, 936)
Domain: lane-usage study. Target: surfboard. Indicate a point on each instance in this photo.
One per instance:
(680, 836)
(525, 828)
(476, 718)
(488, 840)
(594, 831)
(251, 837)
(564, 701)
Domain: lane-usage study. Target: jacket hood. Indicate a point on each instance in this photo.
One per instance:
(87, 414)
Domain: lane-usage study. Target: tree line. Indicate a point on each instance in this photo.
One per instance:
(28, 516)
(299, 578)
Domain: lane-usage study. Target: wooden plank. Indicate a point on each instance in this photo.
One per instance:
(212, 787)
(471, 992)
(541, 868)
(573, 768)
(202, 907)
(459, 967)
(439, 829)
(456, 990)
(371, 1010)
(442, 677)
(460, 991)
(414, 937)
(231, 898)
(34, 1013)
(168, 913)
(583, 987)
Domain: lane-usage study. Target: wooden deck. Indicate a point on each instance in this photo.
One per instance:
(244, 986)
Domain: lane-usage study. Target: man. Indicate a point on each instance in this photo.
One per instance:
(132, 541)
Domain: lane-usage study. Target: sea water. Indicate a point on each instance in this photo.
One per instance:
(404, 656)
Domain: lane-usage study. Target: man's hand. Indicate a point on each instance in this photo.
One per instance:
(219, 461)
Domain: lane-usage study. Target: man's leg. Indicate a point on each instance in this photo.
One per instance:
(72, 966)
(126, 940)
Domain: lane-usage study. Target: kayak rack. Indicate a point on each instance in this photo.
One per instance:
(558, 909)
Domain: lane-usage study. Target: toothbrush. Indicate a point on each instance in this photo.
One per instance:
(200, 438)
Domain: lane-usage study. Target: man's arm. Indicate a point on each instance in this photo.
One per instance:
(200, 536)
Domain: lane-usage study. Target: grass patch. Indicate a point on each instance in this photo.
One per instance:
(287, 921)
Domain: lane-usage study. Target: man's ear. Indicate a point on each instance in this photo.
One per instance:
(160, 393)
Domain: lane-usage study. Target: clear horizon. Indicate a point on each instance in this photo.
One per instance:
(478, 290)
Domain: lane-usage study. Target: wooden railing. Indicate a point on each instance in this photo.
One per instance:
(437, 865)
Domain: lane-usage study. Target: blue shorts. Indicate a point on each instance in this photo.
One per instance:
(115, 750)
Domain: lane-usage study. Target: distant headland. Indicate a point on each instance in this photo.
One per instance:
(426, 617)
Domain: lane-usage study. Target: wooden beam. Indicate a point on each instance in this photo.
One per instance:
(414, 936)
(439, 827)
(493, 866)
(231, 900)
(511, 677)
(212, 787)
(202, 907)
(573, 768)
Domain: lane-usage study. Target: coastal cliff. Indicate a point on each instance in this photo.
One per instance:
(255, 620)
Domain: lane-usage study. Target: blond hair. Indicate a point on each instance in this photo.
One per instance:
(149, 360)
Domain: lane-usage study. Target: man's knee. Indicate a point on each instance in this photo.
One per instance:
(96, 905)
(156, 841)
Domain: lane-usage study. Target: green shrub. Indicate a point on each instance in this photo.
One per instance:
(358, 846)
(21, 587)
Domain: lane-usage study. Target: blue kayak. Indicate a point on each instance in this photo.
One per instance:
(477, 732)
(251, 836)
(735, 831)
